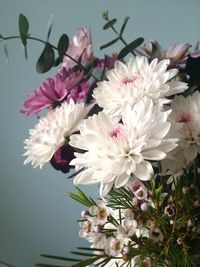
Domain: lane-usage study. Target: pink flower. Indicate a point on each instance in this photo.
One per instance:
(108, 62)
(47, 95)
(177, 53)
(52, 92)
(80, 45)
(139, 190)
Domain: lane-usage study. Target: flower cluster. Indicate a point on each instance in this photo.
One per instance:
(142, 226)
(131, 125)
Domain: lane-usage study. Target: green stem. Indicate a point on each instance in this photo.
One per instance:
(54, 47)
(121, 39)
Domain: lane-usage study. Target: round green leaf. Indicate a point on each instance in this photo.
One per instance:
(46, 60)
(63, 45)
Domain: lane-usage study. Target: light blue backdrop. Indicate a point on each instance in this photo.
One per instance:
(36, 214)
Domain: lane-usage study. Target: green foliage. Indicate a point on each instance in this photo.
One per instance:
(109, 43)
(50, 26)
(126, 19)
(109, 24)
(5, 50)
(82, 198)
(130, 47)
(23, 31)
(46, 59)
(63, 45)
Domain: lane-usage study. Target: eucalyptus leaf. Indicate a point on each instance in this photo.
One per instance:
(1, 36)
(23, 28)
(109, 43)
(105, 15)
(109, 24)
(63, 45)
(124, 25)
(5, 50)
(46, 60)
(50, 26)
(57, 62)
(130, 47)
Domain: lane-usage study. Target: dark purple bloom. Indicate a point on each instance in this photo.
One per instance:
(62, 157)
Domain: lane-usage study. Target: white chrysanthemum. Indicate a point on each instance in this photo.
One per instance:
(115, 151)
(185, 119)
(52, 131)
(132, 81)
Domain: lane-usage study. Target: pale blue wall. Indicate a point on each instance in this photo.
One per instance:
(36, 215)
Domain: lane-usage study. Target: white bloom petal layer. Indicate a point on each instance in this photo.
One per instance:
(132, 81)
(52, 131)
(185, 119)
(115, 151)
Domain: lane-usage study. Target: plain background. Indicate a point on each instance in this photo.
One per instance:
(36, 214)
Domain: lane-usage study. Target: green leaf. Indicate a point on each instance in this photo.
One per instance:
(23, 28)
(48, 265)
(50, 26)
(1, 36)
(83, 254)
(130, 47)
(109, 24)
(63, 45)
(57, 62)
(89, 248)
(58, 258)
(46, 60)
(109, 43)
(105, 15)
(82, 198)
(124, 25)
(5, 50)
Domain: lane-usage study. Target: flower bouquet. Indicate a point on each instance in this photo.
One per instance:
(129, 122)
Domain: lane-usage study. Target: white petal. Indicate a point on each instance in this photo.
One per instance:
(144, 171)
(84, 178)
(121, 180)
(153, 154)
(190, 153)
(105, 189)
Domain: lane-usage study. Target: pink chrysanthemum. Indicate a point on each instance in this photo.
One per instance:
(63, 86)
(81, 45)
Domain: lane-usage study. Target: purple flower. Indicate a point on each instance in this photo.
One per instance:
(62, 157)
(108, 62)
(63, 86)
(177, 53)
